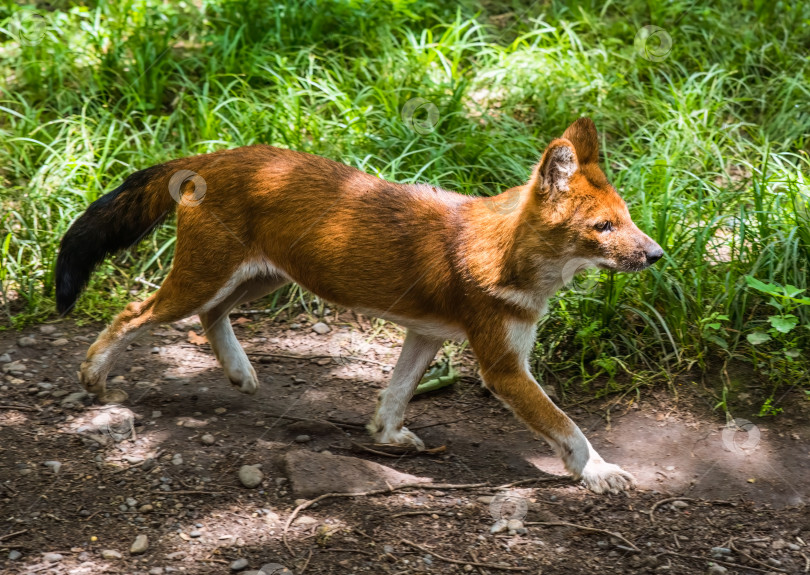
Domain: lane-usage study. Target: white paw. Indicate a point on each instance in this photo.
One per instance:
(602, 477)
(245, 380)
(399, 437)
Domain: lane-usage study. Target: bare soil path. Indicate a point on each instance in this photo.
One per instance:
(79, 482)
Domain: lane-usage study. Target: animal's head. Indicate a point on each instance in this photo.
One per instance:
(586, 218)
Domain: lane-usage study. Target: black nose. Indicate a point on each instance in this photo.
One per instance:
(654, 254)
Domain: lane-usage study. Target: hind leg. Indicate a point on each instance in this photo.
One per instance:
(219, 332)
(174, 300)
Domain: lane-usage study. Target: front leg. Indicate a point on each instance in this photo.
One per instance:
(386, 425)
(502, 351)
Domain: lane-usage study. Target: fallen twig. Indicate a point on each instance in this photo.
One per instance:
(10, 535)
(307, 504)
(671, 499)
(698, 558)
(757, 561)
(422, 512)
(460, 562)
(584, 528)
(20, 407)
(305, 357)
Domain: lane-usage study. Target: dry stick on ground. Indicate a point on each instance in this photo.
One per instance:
(806, 562)
(757, 561)
(460, 562)
(333, 422)
(423, 512)
(584, 528)
(730, 564)
(306, 357)
(307, 504)
(671, 499)
(20, 407)
(10, 535)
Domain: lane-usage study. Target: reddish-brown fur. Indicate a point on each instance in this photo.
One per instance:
(443, 264)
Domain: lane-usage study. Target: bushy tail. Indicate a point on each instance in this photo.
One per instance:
(112, 223)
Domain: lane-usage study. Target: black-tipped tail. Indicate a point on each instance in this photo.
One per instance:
(112, 223)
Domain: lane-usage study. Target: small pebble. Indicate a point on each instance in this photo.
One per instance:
(250, 476)
(13, 555)
(500, 526)
(207, 439)
(303, 439)
(140, 545)
(54, 465)
(27, 341)
(111, 554)
(239, 564)
(195, 533)
(680, 504)
(5, 358)
(47, 329)
(156, 414)
(715, 569)
(132, 502)
(321, 328)
(61, 342)
(52, 557)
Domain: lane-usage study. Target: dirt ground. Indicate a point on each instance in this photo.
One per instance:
(80, 482)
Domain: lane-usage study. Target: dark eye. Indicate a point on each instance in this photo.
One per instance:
(605, 226)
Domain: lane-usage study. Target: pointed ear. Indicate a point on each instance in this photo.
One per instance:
(582, 134)
(556, 167)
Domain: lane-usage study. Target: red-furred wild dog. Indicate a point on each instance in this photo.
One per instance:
(444, 265)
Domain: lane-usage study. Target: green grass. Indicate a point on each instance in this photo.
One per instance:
(708, 145)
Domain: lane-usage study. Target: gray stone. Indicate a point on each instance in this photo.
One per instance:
(207, 439)
(14, 367)
(195, 533)
(5, 358)
(111, 554)
(239, 564)
(13, 555)
(27, 341)
(715, 569)
(55, 466)
(61, 342)
(131, 501)
(321, 328)
(75, 398)
(47, 329)
(250, 476)
(303, 439)
(499, 526)
(680, 504)
(312, 474)
(140, 545)
(52, 557)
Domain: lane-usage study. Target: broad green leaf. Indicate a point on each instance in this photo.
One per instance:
(783, 323)
(757, 337)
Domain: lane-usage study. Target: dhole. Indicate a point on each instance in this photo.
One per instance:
(444, 265)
